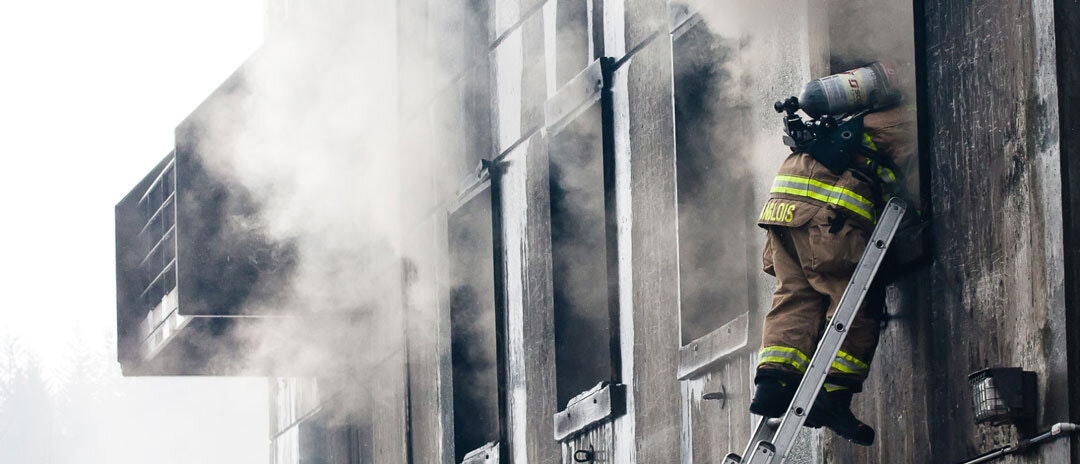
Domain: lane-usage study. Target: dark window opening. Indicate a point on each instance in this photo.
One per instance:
(715, 183)
(881, 31)
(473, 90)
(227, 264)
(473, 325)
(579, 260)
(157, 241)
(324, 443)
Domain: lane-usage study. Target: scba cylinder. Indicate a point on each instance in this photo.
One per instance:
(872, 87)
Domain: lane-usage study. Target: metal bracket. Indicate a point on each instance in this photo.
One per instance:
(588, 455)
(577, 95)
(720, 395)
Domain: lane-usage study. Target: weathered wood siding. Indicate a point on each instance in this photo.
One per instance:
(648, 236)
(1066, 23)
(525, 216)
(720, 425)
(596, 440)
(994, 295)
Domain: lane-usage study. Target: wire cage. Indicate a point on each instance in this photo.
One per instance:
(988, 402)
(1003, 395)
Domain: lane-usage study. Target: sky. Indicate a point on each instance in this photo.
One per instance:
(90, 93)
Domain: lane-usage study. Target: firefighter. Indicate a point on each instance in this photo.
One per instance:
(817, 225)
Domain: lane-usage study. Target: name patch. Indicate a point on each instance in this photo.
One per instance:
(778, 211)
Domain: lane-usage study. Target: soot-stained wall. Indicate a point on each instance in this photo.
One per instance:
(475, 79)
(994, 295)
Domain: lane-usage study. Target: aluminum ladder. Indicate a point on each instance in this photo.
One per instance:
(773, 438)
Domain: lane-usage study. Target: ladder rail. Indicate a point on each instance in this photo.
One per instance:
(760, 449)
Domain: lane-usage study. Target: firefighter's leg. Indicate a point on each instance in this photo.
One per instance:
(791, 328)
(836, 247)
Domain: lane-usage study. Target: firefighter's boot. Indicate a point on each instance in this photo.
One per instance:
(833, 410)
(772, 397)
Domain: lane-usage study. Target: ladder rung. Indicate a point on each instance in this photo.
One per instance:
(775, 436)
(764, 449)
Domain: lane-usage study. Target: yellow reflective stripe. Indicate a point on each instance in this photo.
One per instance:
(886, 174)
(833, 387)
(826, 199)
(820, 191)
(866, 140)
(883, 172)
(849, 364)
(784, 355)
(829, 187)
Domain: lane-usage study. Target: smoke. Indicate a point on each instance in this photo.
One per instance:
(303, 146)
(313, 139)
(729, 69)
(769, 59)
(339, 193)
(578, 256)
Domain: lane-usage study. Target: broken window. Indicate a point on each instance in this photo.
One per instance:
(473, 324)
(715, 181)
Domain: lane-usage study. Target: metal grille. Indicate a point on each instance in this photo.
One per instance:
(990, 404)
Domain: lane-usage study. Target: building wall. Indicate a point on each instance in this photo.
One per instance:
(1067, 19)
(493, 95)
(994, 294)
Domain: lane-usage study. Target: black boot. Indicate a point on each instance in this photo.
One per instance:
(772, 397)
(833, 410)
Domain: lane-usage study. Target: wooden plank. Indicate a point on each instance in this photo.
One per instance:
(711, 433)
(605, 401)
(487, 454)
(648, 240)
(714, 348)
(572, 98)
(718, 403)
(530, 320)
(598, 442)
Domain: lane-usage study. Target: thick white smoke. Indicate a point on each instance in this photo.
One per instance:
(313, 137)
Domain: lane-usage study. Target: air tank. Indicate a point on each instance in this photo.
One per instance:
(872, 87)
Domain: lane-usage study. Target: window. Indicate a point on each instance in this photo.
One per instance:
(579, 242)
(879, 31)
(715, 183)
(473, 325)
(573, 36)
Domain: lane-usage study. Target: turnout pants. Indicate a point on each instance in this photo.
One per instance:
(812, 264)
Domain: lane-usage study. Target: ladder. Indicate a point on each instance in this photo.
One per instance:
(773, 437)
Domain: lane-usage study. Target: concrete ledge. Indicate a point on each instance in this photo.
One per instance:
(487, 454)
(602, 402)
(713, 348)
